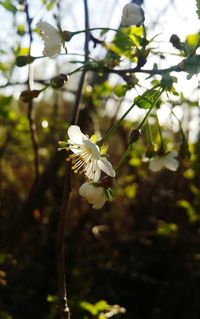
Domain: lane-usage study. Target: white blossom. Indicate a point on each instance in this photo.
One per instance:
(52, 39)
(132, 15)
(168, 161)
(95, 195)
(86, 158)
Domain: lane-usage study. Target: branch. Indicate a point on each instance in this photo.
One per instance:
(30, 114)
(63, 308)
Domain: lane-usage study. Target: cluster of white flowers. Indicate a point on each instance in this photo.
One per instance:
(86, 155)
(87, 159)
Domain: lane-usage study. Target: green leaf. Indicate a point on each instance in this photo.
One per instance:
(104, 31)
(126, 41)
(198, 7)
(191, 65)
(50, 5)
(101, 305)
(4, 106)
(146, 100)
(89, 307)
(9, 6)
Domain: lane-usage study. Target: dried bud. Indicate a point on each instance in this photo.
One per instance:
(22, 60)
(134, 135)
(27, 96)
(106, 182)
(176, 42)
(58, 81)
(67, 35)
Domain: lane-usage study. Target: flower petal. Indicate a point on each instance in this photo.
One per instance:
(52, 39)
(75, 135)
(85, 189)
(171, 162)
(99, 204)
(157, 163)
(94, 195)
(106, 167)
(93, 171)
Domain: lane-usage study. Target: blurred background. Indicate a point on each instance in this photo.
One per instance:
(142, 250)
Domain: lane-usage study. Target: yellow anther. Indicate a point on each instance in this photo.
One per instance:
(67, 159)
(75, 171)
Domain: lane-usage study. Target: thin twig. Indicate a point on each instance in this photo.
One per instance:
(63, 308)
(30, 113)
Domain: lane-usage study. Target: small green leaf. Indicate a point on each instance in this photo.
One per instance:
(101, 305)
(50, 5)
(22, 60)
(89, 307)
(198, 7)
(104, 31)
(146, 100)
(9, 6)
(4, 106)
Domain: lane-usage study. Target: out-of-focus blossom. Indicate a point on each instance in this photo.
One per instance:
(132, 14)
(168, 161)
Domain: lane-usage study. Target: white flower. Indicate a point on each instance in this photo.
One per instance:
(52, 39)
(95, 195)
(168, 161)
(86, 158)
(132, 15)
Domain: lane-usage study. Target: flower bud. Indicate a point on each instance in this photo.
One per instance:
(22, 60)
(58, 81)
(134, 135)
(27, 96)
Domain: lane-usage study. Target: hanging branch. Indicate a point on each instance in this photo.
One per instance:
(30, 113)
(63, 308)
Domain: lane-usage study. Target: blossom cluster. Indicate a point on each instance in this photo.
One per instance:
(84, 154)
(86, 159)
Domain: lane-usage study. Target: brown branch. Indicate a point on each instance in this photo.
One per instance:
(30, 114)
(63, 308)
